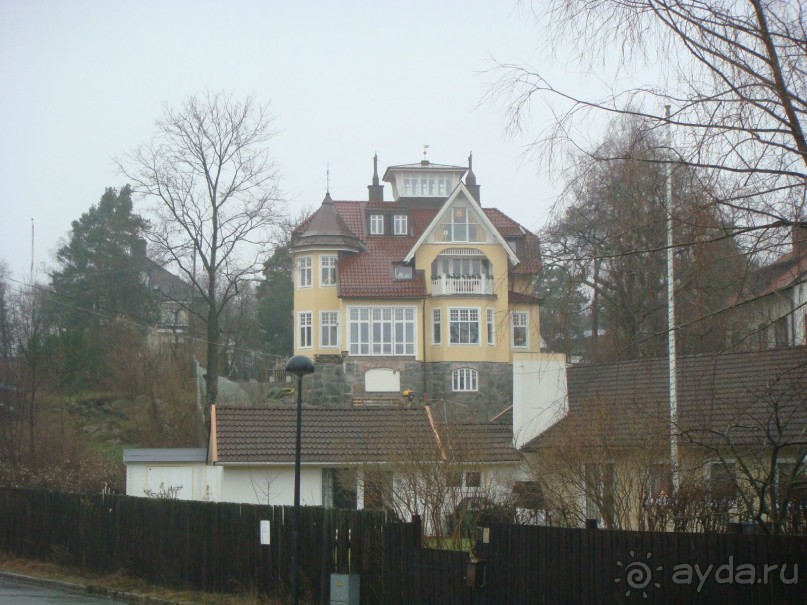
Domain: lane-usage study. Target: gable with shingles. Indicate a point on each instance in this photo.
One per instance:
(462, 195)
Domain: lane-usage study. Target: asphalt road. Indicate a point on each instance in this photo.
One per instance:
(16, 592)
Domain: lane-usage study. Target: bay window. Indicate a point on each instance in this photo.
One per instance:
(464, 326)
(520, 321)
(304, 268)
(328, 270)
(381, 330)
(305, 328)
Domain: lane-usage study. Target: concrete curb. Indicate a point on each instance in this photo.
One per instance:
(99, 591)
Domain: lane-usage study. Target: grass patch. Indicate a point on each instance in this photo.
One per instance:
(123, 583)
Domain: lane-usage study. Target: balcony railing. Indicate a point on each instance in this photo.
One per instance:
(462, 284)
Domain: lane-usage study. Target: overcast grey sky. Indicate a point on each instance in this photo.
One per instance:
(85, 80)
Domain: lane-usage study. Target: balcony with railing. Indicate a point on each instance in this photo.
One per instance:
(462, 285)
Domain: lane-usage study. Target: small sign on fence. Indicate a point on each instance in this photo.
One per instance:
(266, 534)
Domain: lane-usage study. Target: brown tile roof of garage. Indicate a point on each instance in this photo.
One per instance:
(351, 435)
(737, 390)
(479, 442)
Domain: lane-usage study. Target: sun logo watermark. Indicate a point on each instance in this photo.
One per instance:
(638, 575)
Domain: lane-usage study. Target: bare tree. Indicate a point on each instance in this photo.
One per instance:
(29, 367)
(441, 477)
(760, 449)
(159, 380)
(608, 463)
(217, 194)
(733, 73)
(608, 240)
(743, 448)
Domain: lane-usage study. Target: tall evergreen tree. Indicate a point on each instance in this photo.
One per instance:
(99, 279)
(99, 276)
(276, 303)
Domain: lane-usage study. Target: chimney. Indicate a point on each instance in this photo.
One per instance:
(470, 180)
(375, 191)
(540, 396)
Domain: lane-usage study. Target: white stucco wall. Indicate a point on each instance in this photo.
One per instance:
(540, 395)
(196, 481)
(270, 485)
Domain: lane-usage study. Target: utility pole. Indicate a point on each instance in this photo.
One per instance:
(671, 345)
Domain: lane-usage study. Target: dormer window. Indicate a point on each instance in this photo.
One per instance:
(376, 224)
(400, 224)
(403, 273)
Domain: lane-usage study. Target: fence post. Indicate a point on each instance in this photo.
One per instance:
(416, 531)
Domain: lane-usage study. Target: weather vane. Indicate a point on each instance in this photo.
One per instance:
(425, 150)
(328, 177)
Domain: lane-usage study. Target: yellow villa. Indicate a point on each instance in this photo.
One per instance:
(425, 297)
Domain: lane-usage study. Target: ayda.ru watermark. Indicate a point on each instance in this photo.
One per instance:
(641, 576)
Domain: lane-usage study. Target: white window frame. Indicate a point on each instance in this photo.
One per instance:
(400, 224)
(452, 227)
(329, 323)
(491, 321)
(327, 270)
(459, 311)
(376, 224)
(305, 330)
(305, 268)
(437, 326)
(516, 323)
(443, 184)
(465, 380)
(382, 330)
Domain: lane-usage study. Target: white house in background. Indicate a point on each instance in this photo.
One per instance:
(250, 457)
(776, 307)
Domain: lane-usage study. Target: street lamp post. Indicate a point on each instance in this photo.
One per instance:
(300, 366)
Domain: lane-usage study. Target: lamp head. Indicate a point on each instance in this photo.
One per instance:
(300, 365)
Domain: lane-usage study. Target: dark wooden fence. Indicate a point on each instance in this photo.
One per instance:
(216, 547)
(531, 565)
(202, 545)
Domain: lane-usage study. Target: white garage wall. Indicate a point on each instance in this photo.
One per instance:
(196, 481)
(270, 485)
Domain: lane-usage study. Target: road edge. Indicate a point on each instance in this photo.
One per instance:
(91, 589)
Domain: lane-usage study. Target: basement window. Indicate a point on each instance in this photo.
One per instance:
(464, 380)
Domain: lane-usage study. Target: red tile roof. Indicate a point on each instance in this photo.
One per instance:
(369, 274)
(479, 442)
(353, 435)
(516, 298)
(785, 271)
